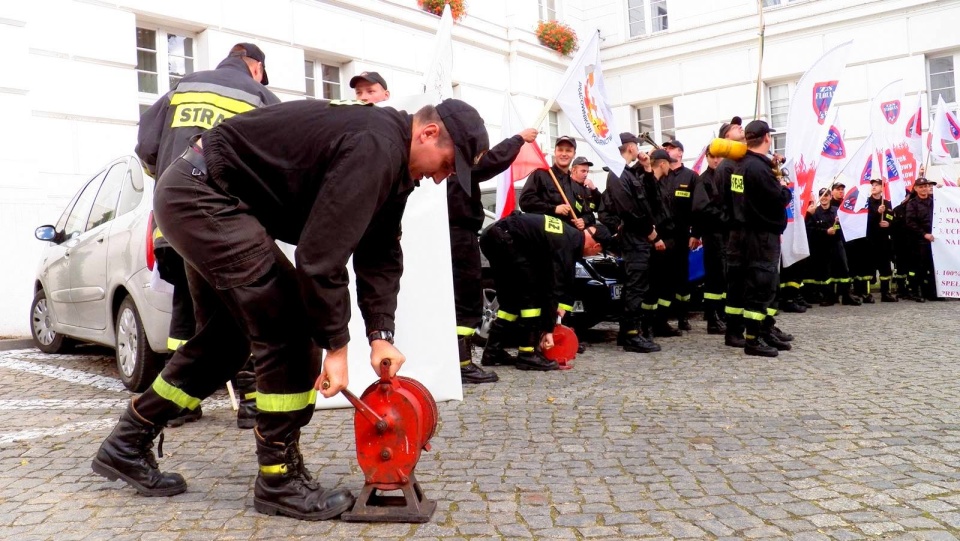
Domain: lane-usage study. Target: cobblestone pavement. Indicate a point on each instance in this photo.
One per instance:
(854, 434)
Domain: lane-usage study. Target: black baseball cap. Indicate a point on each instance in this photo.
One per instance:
(627, 137)
(725, 127)
(673, 143)
(580, 160)
(661, 154)
(876, 181)
(469, 134)
(603, 236)
(370, 77)
(757, 129)
(252, 51)
(923, 181)
(838, 185)
(566, 139)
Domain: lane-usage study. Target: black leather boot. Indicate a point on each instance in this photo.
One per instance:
(773, 337)
(530, 358)
(828, 296)
(247, 393)
(285, 487)
(714, 325)
(634, 341)
(470, 372)
(847, 298)
(499, 337)
(663, 328)
(126, 454)
(734, 334)
(755, 343)
(683, 320)
(185, 416)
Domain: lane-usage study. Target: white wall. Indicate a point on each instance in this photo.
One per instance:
(69, 89)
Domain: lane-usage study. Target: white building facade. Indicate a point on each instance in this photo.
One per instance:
(79, 72)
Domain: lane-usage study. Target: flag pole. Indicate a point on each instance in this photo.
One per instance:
(756, 109)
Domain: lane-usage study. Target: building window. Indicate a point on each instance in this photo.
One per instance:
(778, 106)
(553, 128)
(657, 121)
(163, 58)
(548, 10)
(943, 82)
(329, 77)
(646, 17)
(775, 3)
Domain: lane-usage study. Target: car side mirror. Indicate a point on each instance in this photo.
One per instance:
(46, 232)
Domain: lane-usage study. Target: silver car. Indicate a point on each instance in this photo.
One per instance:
(94, 280)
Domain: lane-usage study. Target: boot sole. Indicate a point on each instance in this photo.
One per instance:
(642, 350)
(529, 368)
(770, 354)
(113, 474)
(247, 424)
(478, 381)
(273, 509)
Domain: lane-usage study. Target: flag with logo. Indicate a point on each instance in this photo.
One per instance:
(806, 126)
(913, 131)
(529, 160)
(856, 174)
(945, 129)
(583, 98)
(888, 122)
(834, 153)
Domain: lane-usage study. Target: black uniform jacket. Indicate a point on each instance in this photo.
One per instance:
(334, 180)
(555, 247)
(678, 190)
(199, 102)
(540, 195)
(624, 204)
(819, 222)
(920, 217)
(657, 203)
(759, 201)
(466, 210)
(710, 203)
(874, 231)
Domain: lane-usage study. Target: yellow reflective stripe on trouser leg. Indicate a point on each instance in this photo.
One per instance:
(525, 349)
(771, 312)
(465, 331)
(648, 307)
(250, 396)
(173, 344)
(506, 316)
(530, 312)
(713, 296)
(733, 311)
(282, 403)
(175, 395)
(756, 316)
(664, 303)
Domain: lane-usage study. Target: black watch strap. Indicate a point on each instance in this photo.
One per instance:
(380, 335)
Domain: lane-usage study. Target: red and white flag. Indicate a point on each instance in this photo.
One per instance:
(529, 160)
(701, 163)
(583, 98)
(945, 129)
(806, 121)
(857, 173)
(834, 152)
(888, 121)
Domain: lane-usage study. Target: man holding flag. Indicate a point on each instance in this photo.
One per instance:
(540, 194)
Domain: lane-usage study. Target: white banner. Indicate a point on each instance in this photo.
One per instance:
(946, 241)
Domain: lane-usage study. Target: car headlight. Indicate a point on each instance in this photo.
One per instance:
(582, 272)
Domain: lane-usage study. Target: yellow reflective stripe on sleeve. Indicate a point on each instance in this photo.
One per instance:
(530, 312)
(733, 311)
(506, 316)
(755, 316)
(250, 396)
(713, 296)
(465, 331)
(229, 105)
(771, 312)
(552, 225)
(276, 469)
(173, 344)
(175, 395)
(282, 403)
(566, 307)
(736, 183)
(664, 303)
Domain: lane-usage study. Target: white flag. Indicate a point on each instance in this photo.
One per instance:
(945, 129)
(583, 98)
(438, 78)
(834, 152)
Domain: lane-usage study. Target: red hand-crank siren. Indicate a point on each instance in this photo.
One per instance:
(565, 345)
(395, 419)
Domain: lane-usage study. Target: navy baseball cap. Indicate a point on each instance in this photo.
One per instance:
(252, 51)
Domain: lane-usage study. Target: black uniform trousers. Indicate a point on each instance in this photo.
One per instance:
(859, 261)
(521, 293)
(636, 265)
(173, 270)
(756, 254)
(679, 258)
(715, 269)
(467, 280)
(247, 298)
(662, 290)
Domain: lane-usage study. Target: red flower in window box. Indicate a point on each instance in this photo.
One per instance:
(557, 36)
(458, 8)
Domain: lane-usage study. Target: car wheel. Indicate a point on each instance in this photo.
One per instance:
(137, 363)
(46, 339)
(490, 307)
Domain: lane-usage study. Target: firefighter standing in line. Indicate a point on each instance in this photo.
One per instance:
(625, 210)
(711, 219)
(919, 220)
(332, 179)
(465, 211)
(678, 191)
(539, 194)
(829, 266)
(198, 102)
(533, 259)
(858, 259)
(733, 297)
(879, 247)
(902, 247)
(759, 218)
(661, 292)
(587, 196)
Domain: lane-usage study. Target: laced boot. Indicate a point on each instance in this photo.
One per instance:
(773, 338)
(714, 324)
(494, 353)
(683, 320)
(127, 454)
(246, 387)
(755, 344)
(828, 295)
(530, 358)
(734, 335)
(662, 328)
(847, 298)
(186, 415)
(885, 295)
(634, 341)
(470, 372)
(285, 487)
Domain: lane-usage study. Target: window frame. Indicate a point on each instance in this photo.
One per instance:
(648, 18)
(161, 34)
(553, 129)
(320, 82)
(779, 3)
(932, 99)
(544, 10)
(657, 133)
(779, 138)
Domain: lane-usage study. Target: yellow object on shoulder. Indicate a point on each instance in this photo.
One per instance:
(726, 148)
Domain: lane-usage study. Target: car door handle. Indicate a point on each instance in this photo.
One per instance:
(100, 240)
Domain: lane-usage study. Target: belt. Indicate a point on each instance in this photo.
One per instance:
(194, 157)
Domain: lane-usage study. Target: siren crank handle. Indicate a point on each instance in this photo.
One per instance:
(379, 422)
(385, 371)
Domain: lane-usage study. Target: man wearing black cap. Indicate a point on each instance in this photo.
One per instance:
(678, 190)
(540, 195)
(587, 196)
(626, 211)
(711, 220)
(759, 218)
(879, 243)
(198, 102)
(370, 87)
(533, 259)
(919, 220)
(300, 172)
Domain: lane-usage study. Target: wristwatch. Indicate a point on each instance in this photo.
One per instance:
(380, 335)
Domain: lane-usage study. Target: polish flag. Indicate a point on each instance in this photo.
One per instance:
(701, 163)
(529, 160)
